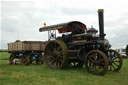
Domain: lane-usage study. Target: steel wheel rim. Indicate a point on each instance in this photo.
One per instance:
(115, 60)
(96, 62)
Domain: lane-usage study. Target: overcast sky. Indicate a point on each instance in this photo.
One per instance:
(21, 19)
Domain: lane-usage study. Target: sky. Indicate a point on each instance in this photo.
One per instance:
(21, 19)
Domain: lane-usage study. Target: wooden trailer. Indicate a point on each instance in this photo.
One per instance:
(26, 52)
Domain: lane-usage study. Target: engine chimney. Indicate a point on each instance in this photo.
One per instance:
(101, 23)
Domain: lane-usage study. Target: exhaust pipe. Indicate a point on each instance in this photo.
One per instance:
(101, 23)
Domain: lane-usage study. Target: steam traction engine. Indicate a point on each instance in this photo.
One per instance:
(79, 46)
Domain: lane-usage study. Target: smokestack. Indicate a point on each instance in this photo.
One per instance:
(101, 22)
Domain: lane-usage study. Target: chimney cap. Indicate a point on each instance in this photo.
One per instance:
(100, 10)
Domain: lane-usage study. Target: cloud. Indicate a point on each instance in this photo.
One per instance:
(22, 19)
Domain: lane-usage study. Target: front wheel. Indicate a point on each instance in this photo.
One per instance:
(96, 62)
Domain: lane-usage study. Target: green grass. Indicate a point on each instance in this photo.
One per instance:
(4, 55)
(41, 75)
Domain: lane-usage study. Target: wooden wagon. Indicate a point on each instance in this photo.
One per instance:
(26, 51)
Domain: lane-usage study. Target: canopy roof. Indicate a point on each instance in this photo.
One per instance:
(65, 27)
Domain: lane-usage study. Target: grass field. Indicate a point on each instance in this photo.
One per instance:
(40, 75)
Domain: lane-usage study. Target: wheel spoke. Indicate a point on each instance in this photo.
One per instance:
(51, 48)
(58, 49)
(116, 61)
(55, 63)
(91, 59)
(114, 58)
(55, 48)
(51, 61)
(100, 60)
(113, 67)
(115, 64)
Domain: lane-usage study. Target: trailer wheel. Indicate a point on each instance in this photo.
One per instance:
(115, 60)
(11, 58)
(55, 54)
(96, 62)
(25, 60)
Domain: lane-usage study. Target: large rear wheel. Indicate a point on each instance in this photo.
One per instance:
(55, 54)
(96, 62)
